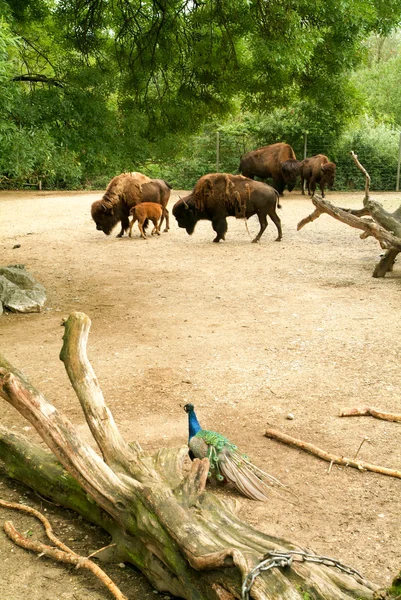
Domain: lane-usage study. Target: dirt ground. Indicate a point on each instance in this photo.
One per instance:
(247, 332)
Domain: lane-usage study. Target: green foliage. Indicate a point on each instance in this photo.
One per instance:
(379, 84)
(377, 150)
(91, 89)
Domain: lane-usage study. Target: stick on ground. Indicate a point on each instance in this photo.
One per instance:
(367, 411)
(332, 458)
(62, 553)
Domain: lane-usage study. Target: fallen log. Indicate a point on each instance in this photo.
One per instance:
(331, 458)
(186, 541)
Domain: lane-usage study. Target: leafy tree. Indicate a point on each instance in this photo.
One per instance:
(380, 80)
(96, 87)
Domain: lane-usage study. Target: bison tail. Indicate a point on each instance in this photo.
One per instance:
(278, 199)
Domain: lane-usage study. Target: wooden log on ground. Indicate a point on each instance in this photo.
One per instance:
(186, 541)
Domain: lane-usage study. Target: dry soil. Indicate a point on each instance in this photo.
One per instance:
(247, 332)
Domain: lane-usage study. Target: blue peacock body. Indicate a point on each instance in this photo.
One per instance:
(227, 463)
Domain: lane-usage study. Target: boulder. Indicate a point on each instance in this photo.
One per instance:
(19, 290)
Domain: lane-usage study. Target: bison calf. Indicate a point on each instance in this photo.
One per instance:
(144, 212)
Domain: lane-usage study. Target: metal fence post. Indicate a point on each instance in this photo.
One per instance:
(397, 187)
(217, 151)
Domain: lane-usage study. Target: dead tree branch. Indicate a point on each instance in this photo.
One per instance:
(331, 458)
(65, 556)
(370, 412)
(364, 171)
(369, 228)
(384, 226)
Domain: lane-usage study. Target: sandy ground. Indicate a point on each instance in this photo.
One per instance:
(247, 332)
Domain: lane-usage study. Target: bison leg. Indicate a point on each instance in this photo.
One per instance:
(303, 185)
(219, 224)
(279, 185)
(263, 224)
(156, 228)
(141, 229)
(124, 225)
(167, 215)
(130, 226)
(276, 220)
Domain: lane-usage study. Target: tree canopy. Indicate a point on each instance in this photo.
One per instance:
(98, 86)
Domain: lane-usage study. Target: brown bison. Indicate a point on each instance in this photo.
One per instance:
(277, 161)
(144, 212)
(124, 192)
(317, 170)
(220, 195)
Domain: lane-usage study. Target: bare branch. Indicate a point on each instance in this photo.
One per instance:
(385, 238)
(310, 218)
(367, 411)
(80, 460)
(116, 452)
(63, 556)
(331, 458)
(364, 171)
(35, 78)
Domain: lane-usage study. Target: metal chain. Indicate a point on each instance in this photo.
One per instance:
(285, 559)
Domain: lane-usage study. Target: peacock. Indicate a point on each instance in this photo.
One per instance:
(227, 463)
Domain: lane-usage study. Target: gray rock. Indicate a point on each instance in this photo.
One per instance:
(19, 290)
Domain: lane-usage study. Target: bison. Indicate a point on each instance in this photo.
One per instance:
(220, 195)
(144, 212)
(277, 161)
(124, 192)
(317, 170)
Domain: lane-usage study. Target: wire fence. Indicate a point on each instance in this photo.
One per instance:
(221, 152)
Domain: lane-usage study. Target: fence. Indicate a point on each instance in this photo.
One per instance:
(222, 152)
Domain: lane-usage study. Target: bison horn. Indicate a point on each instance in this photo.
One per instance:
(182, 200)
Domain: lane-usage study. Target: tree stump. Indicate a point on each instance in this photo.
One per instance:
(186, 541)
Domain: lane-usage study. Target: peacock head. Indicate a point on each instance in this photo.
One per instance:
(193, 423)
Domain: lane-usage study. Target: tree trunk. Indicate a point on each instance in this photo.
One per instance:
(186, 541)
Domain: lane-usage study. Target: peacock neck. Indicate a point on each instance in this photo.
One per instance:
(193, 424)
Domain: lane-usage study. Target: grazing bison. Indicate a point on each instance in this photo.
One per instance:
(124, 192)
(277, 161)
(144, 212)
(317, 170)
(220, 195)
